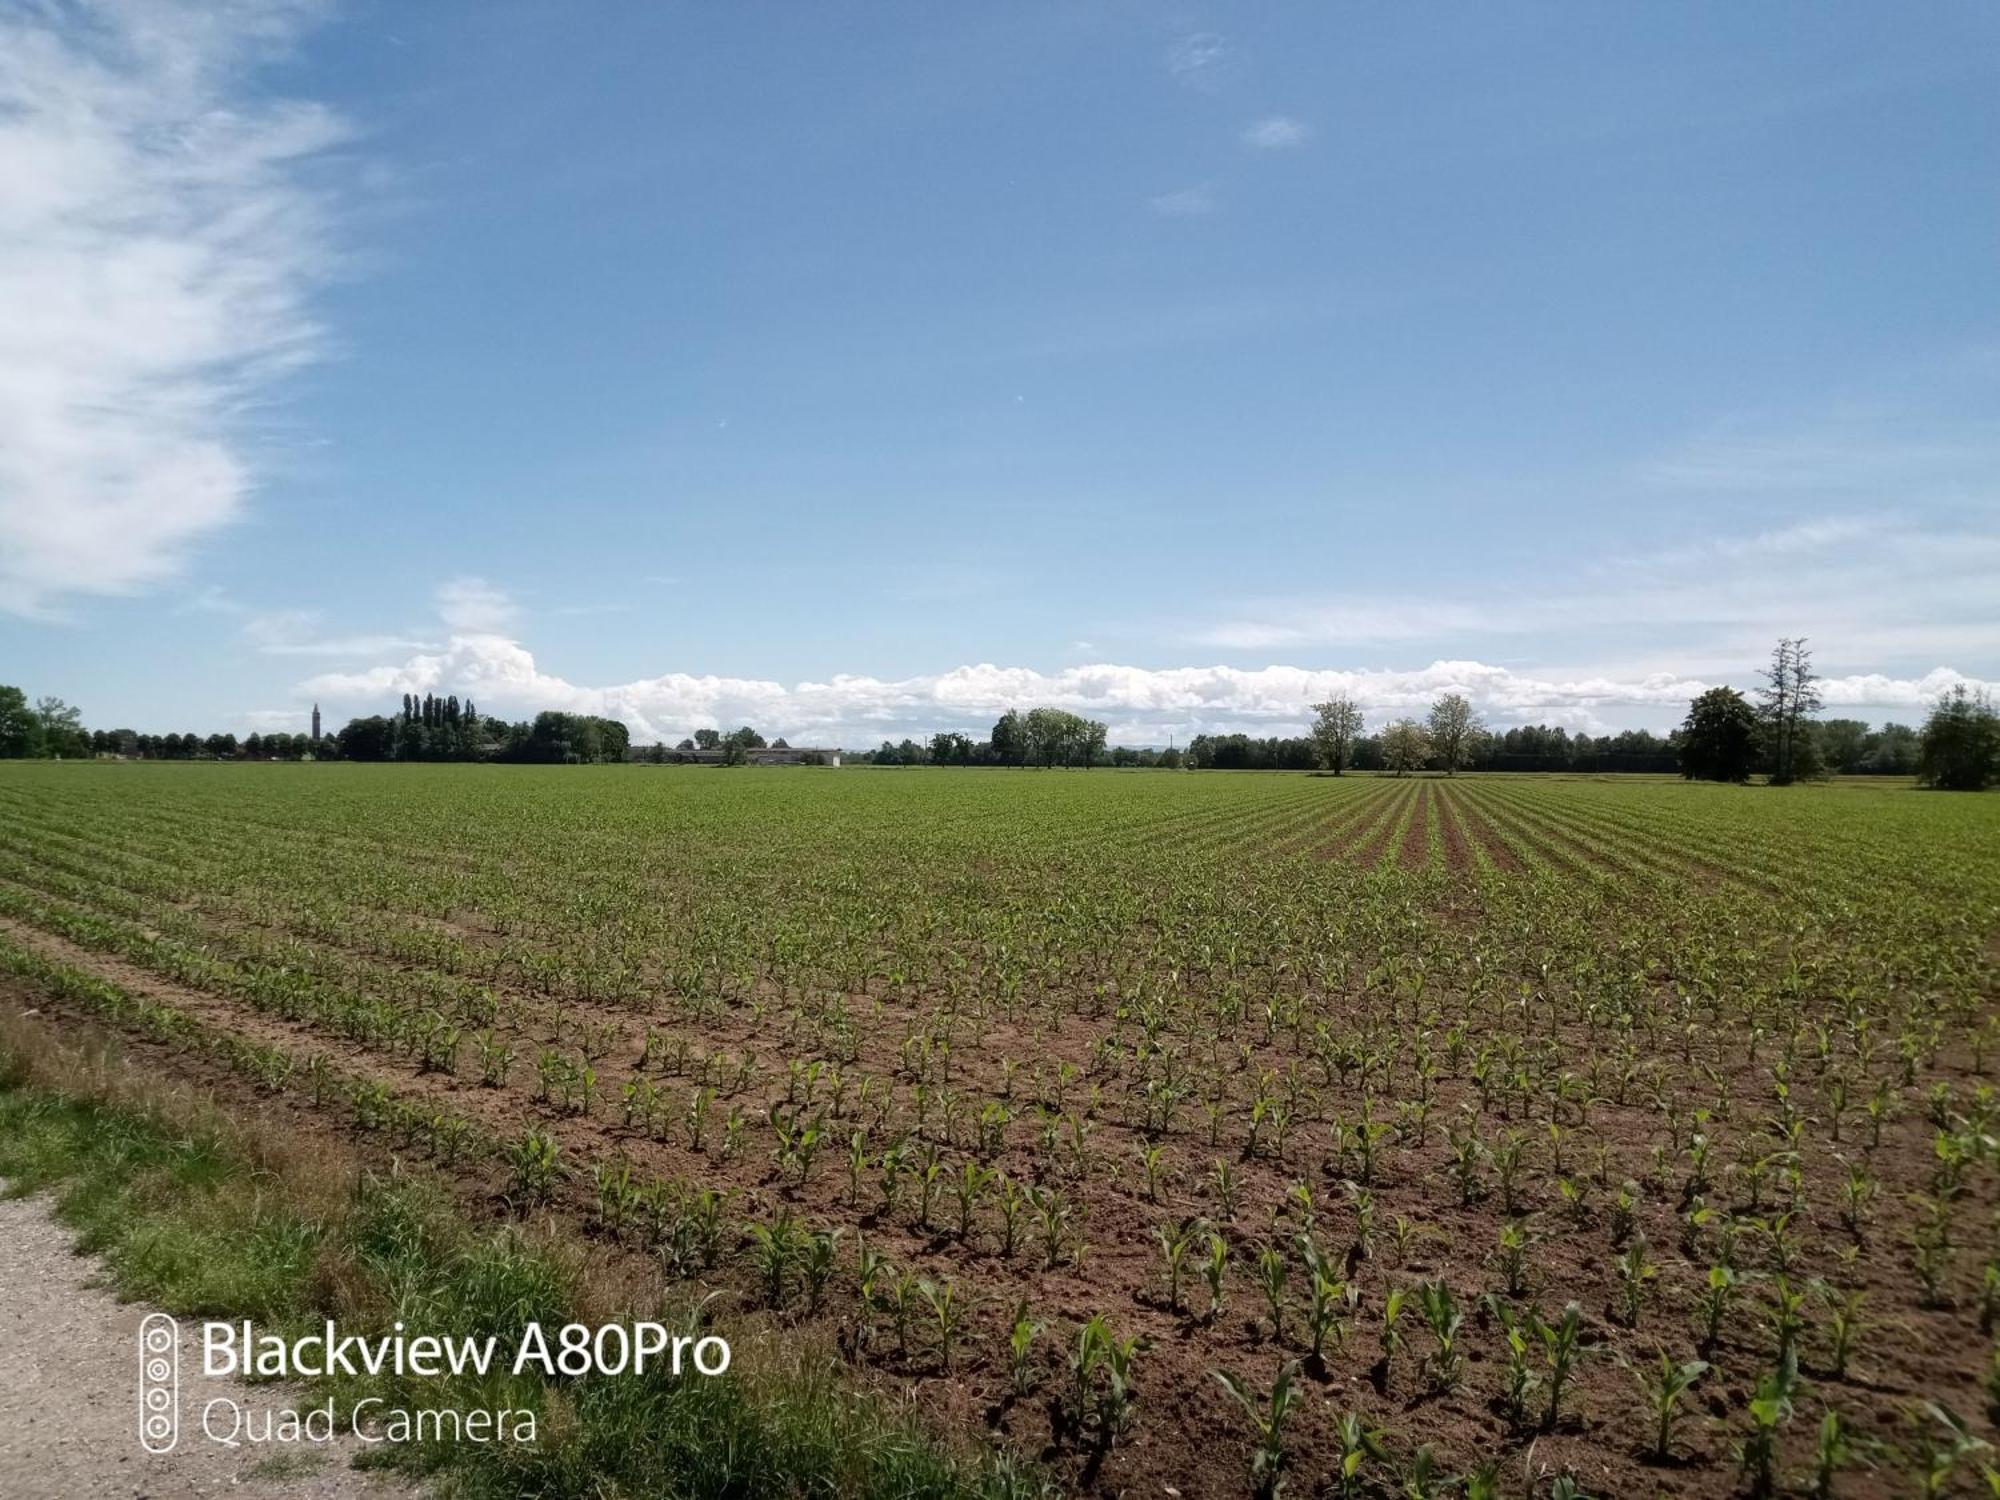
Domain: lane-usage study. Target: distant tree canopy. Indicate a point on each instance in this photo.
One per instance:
(1960, 746)
(1406, 747)
(444, 729)
(1040, 737)
(20, 730)
(1337, 725)
(1453, 730)
(1719, 740)
(1787, 702)
(1725, 737)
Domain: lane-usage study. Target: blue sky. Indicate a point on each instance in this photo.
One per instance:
(862, 369)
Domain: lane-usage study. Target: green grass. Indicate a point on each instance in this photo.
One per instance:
(184, 1219)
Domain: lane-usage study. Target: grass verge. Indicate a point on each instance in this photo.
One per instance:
(193, 1212)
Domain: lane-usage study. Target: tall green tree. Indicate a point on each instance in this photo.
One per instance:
(1406, 747)
(1789, 699)
(1842, 743)
(1453, 727)
(1337, 725)
(1010, 739)
(20, 729)
(62, 728)
(1719, 738)
(1960, 748)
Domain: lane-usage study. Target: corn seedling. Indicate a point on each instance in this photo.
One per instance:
(1267, 1416)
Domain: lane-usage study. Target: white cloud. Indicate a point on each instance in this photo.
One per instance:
(1277, 133)
(1877, 586)
(476, 605)
(1201, 60)
(1143, 705)
(156, 245)
(1184, 203)
(295, 632)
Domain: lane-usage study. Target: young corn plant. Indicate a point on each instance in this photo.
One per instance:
(1788, 1318)
(1636, 1274)
(1360, 1444)
(1215, 1272)
(1390, 1335)
(1519, 1381)
(536, 1162)
(1770, 1409)
(1662, 1384)
(1104, 1403)
(1222, 1182)
(1511, 1257)
(1267, 1416)
(1442, 1316)
(1836, 1448)
(1175, 1241)
(774, 1248)
(1021, 1337)
(1946, 1441)
(1271, 1273)
(818, 1258)
(1718, 1296)
(947, 1311)
(970, 1187)
(1562, 1347)
(1326, 1296)
(1844, 1326)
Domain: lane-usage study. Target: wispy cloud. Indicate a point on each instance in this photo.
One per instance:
(473, 604)
(1184, 203)
(1865, 588)
(1848, 453)
(156, 248)
(296, 632)
(1201, 60)
(1277, 133)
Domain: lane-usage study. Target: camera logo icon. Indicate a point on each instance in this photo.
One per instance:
(159, 1383)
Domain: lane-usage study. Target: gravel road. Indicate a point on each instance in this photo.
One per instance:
(69, 1394)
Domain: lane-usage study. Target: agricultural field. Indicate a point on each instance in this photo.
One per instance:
(1639, 1138)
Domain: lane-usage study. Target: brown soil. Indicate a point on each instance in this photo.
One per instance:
(1457, 852)
(1488, 836)
(1383, 831)
(1190, 1437)
(1416, 850)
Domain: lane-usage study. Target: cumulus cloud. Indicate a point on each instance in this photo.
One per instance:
(1276, 133)
(1142, 705)
(156, 245)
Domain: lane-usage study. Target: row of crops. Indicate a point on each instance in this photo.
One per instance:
(1482, 1136)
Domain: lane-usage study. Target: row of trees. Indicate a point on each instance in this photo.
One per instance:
(427, 728)
(1039, 737)
(443, 729)
(1728, 738)
(1725, 737)
(48, 727)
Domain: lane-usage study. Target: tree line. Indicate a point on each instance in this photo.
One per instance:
(1045, 737)
(1725, 737)
(443, 729)
(426, 728)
